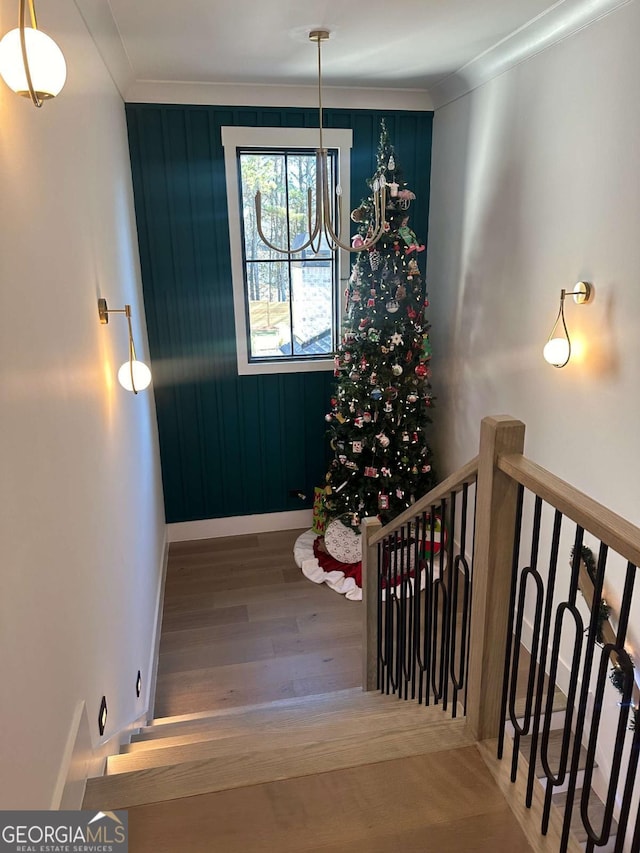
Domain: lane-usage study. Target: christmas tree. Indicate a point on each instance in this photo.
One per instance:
(380, 411)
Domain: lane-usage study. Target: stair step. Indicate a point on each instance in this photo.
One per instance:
(188, 779)
(250, 738)
(282, 720)
(596, 813)
(299, 707)
(559, 703)
(555, 747)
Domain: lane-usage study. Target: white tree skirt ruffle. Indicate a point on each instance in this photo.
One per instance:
(336, 580)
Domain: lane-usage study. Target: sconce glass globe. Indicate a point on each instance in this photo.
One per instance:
(557, 351)
(141, 375)
(46, 63)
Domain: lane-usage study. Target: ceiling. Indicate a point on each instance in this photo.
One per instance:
(410, 45)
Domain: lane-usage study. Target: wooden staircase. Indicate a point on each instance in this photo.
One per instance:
(177, 757)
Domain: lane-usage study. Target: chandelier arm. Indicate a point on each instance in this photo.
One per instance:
(317, 228)
(25, 59)
(258, 209)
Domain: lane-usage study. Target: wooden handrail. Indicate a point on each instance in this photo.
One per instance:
(453, 483)
(612, 529)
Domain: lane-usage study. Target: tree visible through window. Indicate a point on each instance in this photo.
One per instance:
(290, 299)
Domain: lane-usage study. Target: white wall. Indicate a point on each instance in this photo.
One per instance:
(81, 525)
(535, 186)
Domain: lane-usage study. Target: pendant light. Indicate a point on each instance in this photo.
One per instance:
(31, 63)
(321, 221)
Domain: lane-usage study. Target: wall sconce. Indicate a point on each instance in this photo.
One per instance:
(133, 375)
(31, 63)
(557, 350)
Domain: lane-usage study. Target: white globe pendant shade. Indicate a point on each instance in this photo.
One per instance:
(141, 375)
(557, 351)
(46, 63)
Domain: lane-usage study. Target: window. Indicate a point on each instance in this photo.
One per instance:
(287, 308)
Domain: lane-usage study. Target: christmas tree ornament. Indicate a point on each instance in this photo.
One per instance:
(383, 439)
(426, 469)
(385, 472)
(353, 466)
(328, 417)
(397, 369)
(374, 259)
(346, 357)
(388, 407)
(383, 500)
(366, 417)
(354, 376)
(405, 439)
(376, 394)
(373, 378)
(399, 494)
(412, 397)
(370, 471)
(391, 393)
(356, 446)
(358, 422)
(421, 370)
(342, 458)
(396, 339)
(401, 291)
(371, 302)
(373, 335)
(356, 296)
(391, 165)
(392, 306)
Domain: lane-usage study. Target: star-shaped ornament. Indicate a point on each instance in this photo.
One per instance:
(396, 339)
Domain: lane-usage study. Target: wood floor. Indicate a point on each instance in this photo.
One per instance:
(242, 626)
(436, 803)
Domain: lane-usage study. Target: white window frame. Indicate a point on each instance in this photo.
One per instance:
(234, 138)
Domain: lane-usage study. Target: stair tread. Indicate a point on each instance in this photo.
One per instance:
(263, 738)
(596, 813)
(311, 699)
(219, 728)
(302, 706)
(239, 770)
(555, 746)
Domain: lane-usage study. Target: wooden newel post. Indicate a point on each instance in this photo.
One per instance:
(369, 604)
(496, 501)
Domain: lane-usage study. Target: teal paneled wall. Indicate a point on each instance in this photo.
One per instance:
(232, 445)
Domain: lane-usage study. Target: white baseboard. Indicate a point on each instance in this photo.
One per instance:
(155, 646)
(214, 528)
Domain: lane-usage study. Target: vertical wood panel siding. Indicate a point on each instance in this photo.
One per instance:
(232, 445)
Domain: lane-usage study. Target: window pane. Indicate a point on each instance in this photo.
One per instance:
(267, 173)
(312, 307)
(269, 309)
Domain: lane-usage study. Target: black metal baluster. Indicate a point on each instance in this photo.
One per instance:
(512, 601)
(414, 549)
(627, 668)
(546, 626)
(421, 526)
(473, 545)
(582, 704)
(634, 756)
(529, 571)
(625, 664)
(557, 778)
(460, 560)
(380, 639)
(446, 619)
(429, 608)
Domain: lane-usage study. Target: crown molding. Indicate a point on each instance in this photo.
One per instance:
(557, 23)
(102, 28)
(230, 94)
